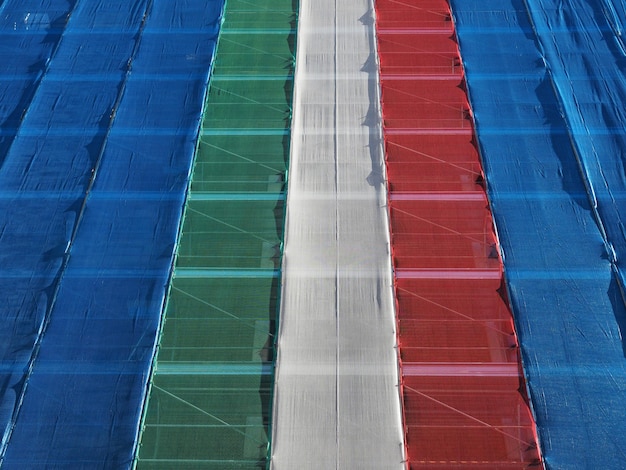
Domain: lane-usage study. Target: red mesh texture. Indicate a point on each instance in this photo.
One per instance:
(426, 14)
(465, 403)
(443, 163)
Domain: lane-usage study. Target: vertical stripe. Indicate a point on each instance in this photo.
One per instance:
(336, 402)
(211, 389)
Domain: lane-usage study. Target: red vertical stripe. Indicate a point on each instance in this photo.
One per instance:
(465, 401)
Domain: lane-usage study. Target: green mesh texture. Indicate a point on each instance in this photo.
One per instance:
(210, 396)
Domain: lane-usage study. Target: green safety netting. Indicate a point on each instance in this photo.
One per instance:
(209, 404)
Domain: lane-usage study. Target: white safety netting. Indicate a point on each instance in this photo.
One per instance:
(337, 402)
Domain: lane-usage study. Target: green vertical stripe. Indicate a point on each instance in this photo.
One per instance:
(209, 404)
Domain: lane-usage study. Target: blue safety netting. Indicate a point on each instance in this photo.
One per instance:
(99, 119)
(547, 86)
(25, 48)
(581, 41)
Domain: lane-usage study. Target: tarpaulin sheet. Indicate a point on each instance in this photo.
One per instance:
(582, 45)
(210, 397)
(547, 93)
(336, 402)
(94, 183)
(28, 261)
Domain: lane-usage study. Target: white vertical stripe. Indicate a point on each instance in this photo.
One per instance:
(336, 402)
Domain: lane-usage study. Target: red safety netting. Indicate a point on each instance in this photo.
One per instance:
(398, 15)
(445, 163)
(464, 395)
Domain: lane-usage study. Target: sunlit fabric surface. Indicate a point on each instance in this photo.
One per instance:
(546, 83)
(465, 403)
(209, 405)
(336, 401)
(100, 116)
